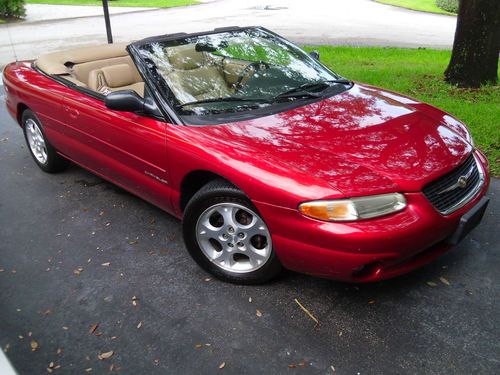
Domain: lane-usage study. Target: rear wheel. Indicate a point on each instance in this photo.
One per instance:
(42, 151)
(227, 237)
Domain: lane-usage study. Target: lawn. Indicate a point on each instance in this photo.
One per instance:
(419, 73)
(422, 5)
(119, 3)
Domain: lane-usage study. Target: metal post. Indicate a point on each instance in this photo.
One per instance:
(107, 21)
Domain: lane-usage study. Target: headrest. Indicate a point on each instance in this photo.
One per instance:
(118, 75)
(185, 57)
(57, 62)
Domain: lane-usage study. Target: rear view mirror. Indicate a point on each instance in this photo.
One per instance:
(124, 100)
(314, 54)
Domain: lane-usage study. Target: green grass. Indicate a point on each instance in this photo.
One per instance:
(422, 5)
(419, 74)
(119, 3)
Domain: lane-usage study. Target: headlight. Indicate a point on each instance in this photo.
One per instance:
(354, 208)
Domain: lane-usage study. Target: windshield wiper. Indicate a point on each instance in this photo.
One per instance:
(224, 99)
(311, 89)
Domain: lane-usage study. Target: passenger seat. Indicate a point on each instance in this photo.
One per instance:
(114, 78)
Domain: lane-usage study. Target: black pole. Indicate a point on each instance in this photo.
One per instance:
(107, 21)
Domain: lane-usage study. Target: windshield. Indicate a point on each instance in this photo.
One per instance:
(238, 70)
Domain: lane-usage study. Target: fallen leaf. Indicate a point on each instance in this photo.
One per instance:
(59, 351)
(208, 279)
(333, 368)
(78, 271)
(98, 334)
(371, 302)
(20, 337)
(302, 363)
(34, 345)
(88, 369)
(106, 264)
(431, 283)
(139, 325)
(258, 313)
(222, 365)
(93, 327)
(51, 365)
(444, 281)
(292, 365)
(105, 355)
(134, 300)
(250, 299)
(65, 328)
(198, 346)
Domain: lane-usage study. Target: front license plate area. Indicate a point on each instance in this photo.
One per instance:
(469, 221)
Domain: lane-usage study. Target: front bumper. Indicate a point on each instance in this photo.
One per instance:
(368, 250)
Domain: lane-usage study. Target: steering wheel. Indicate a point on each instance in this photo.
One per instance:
(247, 72)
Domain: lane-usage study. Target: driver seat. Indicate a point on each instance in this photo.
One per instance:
(115, 78)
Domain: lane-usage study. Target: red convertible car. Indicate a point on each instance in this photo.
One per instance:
(270, 159)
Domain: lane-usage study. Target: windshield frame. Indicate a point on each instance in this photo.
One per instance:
(167, 99)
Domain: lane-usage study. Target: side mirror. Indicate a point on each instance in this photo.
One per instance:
(124, 100)
(314, 54)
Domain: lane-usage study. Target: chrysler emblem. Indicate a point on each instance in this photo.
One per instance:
(461, 182)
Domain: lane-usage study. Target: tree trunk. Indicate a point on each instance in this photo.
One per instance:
(474, 59)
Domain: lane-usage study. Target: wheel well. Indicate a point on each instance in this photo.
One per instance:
(21, 107)
(193, 182)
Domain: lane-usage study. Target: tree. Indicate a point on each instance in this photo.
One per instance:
(12, 8)
(474, 59)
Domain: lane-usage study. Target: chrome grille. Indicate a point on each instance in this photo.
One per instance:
(453, 190)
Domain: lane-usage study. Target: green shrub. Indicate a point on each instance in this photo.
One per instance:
(12, 8)
(448, 5)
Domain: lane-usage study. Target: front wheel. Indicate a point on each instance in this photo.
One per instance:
(227, 237)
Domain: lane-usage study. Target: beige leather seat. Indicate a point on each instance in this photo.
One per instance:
(114, 78)
(193, 77)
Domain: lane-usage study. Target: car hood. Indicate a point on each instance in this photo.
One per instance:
(363, 141)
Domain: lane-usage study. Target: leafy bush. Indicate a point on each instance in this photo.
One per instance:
(448, 5)
(12, 8)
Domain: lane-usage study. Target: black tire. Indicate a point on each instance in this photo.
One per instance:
(55, 162)
(216, 192)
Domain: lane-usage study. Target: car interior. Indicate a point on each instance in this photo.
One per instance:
(191, 74)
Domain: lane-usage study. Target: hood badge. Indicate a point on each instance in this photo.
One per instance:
(461, 182)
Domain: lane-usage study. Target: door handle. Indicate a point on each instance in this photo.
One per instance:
(73, 113)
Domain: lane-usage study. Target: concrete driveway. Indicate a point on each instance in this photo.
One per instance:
(355, 22)
(86, 268)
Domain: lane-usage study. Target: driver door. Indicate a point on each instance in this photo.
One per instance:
(125, 148)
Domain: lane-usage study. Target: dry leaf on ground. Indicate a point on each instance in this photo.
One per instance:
(34, 345)
(105, 355)
(444, 281)
(93, 327)
(222, 365)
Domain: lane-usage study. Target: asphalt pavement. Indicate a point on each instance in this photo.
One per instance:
(87, 269)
